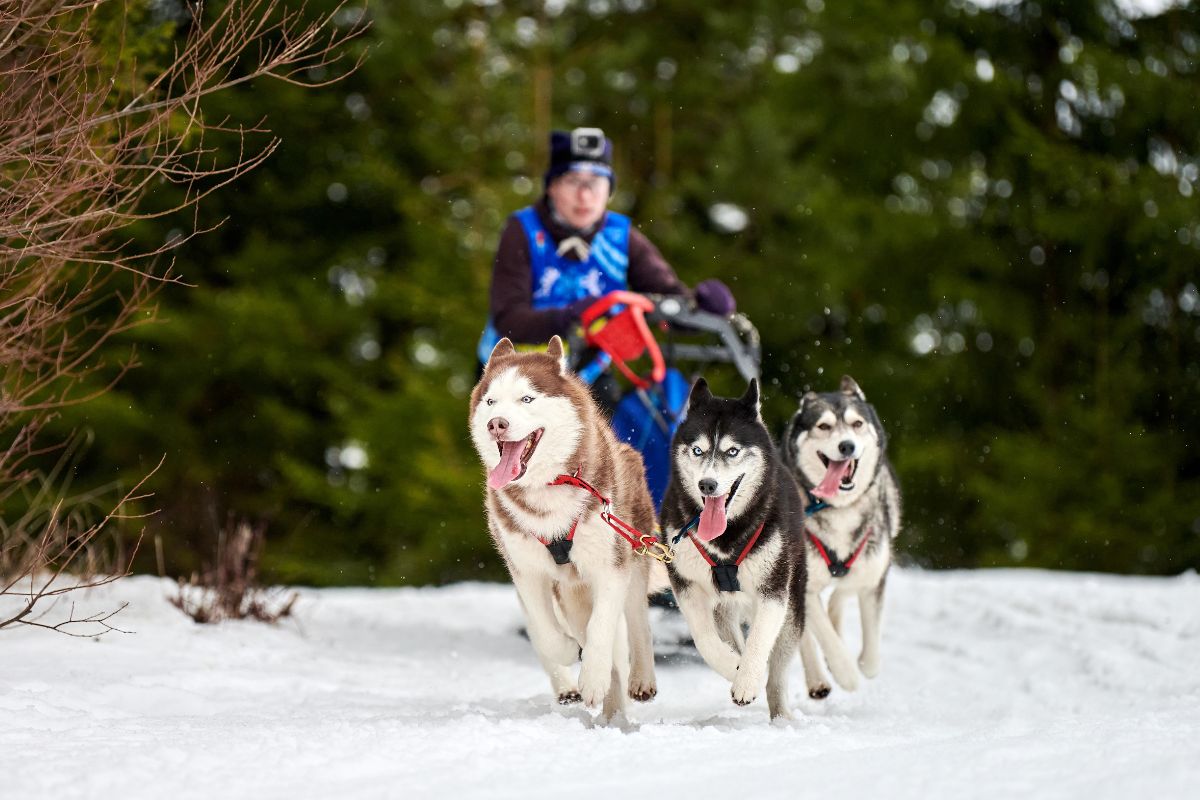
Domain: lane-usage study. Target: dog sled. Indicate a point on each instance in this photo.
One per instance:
(658, 344)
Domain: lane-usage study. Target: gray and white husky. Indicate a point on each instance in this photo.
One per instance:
(837, 449)
(581, 585)
(733, 497)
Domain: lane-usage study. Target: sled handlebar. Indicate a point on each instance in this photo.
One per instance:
(736, 338)
(624, 334)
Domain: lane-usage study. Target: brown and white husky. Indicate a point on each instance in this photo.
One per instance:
(580, 583)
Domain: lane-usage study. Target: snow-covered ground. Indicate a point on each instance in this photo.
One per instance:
(997, 684)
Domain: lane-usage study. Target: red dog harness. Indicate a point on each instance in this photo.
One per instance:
(725, 575)
(838, 568)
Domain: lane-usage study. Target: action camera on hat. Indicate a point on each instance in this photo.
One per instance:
(582, 148)
(587, 144)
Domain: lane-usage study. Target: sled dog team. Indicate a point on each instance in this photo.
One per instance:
(750, 534)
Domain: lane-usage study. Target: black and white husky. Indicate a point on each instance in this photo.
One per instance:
(736, 502)
(836, 447)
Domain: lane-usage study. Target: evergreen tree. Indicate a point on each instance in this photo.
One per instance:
(985, 216)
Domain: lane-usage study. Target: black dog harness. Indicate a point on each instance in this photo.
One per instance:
(560, 549)
(725, 575)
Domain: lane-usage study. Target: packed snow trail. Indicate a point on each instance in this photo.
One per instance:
(995, 684)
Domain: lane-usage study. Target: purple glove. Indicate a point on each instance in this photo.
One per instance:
(715, 297)
(570, 314)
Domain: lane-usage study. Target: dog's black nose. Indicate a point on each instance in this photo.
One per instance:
(708, 487)
(846, 448)
(497, 426)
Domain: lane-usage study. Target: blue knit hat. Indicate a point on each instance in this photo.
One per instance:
(582, 148)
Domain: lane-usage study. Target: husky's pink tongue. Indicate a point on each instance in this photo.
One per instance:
(833, 479)
(712, 519)
(509, 466)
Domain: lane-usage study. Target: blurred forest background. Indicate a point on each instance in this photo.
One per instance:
(988, 216)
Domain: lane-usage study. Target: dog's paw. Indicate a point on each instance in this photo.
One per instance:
(844, 672)
(593, 684)
(847, 679)
(869, 665)
(744, 689)
(643, 693)
(819, 692)
(642, 687)
(781, 713)
(569, 698)
(592, 696)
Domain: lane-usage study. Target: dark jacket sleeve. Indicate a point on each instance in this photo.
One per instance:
(512, 293)
(648, 271)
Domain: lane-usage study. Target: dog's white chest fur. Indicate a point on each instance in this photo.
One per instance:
(841, 531)
(751, 573)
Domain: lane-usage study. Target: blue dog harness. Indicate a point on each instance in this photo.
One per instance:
(559, 281)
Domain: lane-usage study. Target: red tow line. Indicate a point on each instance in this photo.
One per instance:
(644, 544)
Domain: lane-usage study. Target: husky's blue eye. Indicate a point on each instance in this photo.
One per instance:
(527, 399)
(696, 451)
(490, 401)
(731, 452)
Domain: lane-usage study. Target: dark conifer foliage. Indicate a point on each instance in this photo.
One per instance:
(988, 217)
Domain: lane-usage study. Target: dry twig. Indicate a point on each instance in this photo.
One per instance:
(82, 143)
(230, 590)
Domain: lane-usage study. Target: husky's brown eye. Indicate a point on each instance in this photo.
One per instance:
(858, 423)
(825, 426)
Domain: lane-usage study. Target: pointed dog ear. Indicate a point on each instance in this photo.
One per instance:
(805, 400)
(787, 443)
(750, 398)
(504, 347)
(700, 393)
(851, 388)
(556, 351)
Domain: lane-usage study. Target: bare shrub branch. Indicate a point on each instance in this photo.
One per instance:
(229, 589)
(85, 136)
(39, 574)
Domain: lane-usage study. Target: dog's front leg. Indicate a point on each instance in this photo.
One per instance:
(870, 605)
(555, 649)
(817, 621)
(699, 612)
(777, 667)
(764, 630)
(837, 604)
(642, 686)
(608, 601)
(814, 674)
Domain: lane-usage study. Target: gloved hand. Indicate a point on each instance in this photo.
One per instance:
(571, 313)
(714, 296)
